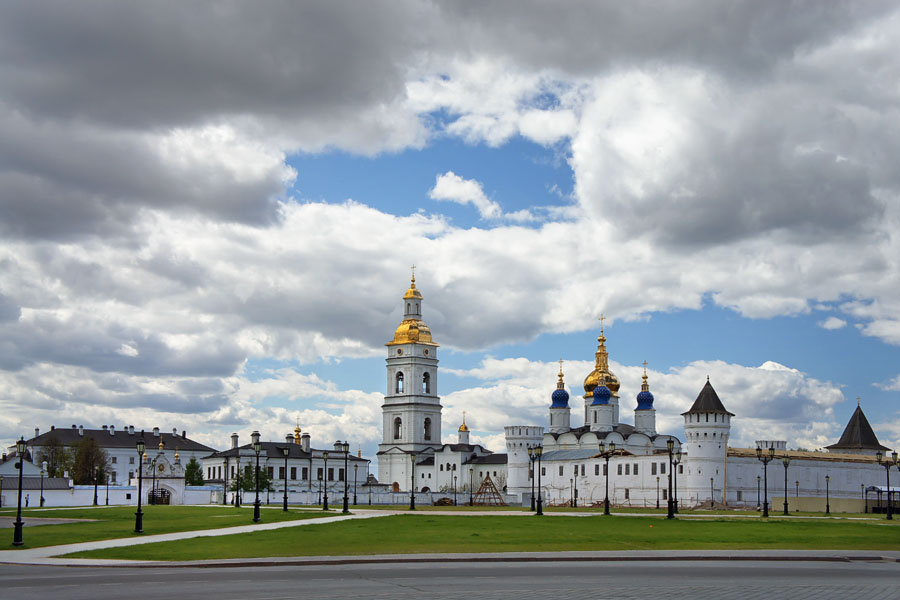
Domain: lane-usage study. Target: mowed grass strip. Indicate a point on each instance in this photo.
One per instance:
(423, 533)
(118, 522)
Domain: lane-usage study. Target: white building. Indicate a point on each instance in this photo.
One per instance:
(710, 472)
(121, 446)
(411, 418)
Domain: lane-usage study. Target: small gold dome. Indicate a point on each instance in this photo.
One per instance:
(601, 375)
(161, 445)
(412, 330)
(464, 428)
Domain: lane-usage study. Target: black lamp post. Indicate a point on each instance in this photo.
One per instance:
(412, 478)
(607, 454)
(355, 470)
(107, 489)
(345, 448)
(539, 451)
(325, 481)
(575, 497)
(454, 490)
(17, 534)
(765, 458)
(286, 451)
(675, 461)
(240, 482)
(758, 505)
(471, 484)
(94, 469)
(670, 446)
(256, 448)
(711, 493)
(532, 457)
(225, 484)
(827, 490)
(887, 464)
(43, 470)
(571, 495)
(797, 495)
(139, 516)
(785, 460)
(657, 491)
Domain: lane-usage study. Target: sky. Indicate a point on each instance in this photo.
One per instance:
(209, 212)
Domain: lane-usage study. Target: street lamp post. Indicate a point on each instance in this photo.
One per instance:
(786, 460)
(240, 483)
(225, 484)
(539, 451)
(532, 457)
(325, 481)
(107, 489)
(286, 450)
(571, 495)
(765, 458)
(711, 493)
(94, 469)
(256, 448)
(657, 491)
(17, 533)
(607, 454)
(670, 446)
(675, 461)
(43, 470)
(887, 464)
(471, 485)
(345, 447)
(412, 480)
(758, 505)
(454, 490)
(797, 495)
(827, 490)
(139, 516)
(575, 497)
(355, 470)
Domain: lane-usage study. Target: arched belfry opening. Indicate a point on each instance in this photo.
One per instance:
(398, 428)
(398, 386)
(426, 383)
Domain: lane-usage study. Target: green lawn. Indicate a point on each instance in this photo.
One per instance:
(424, 533)
(118, 522)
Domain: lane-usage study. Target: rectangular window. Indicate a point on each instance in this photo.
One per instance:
(442, 466)
(605, 468)
(635, 468)
(319, 473)
(294, 473)
(220, 472)
(530, 474)
(340, 474)
(560, 469)
(740, 496)
(582, 470)
(128, 496)
(597, 469)
(665, 494)
(575, 469)
(653, 468)
(130, 474)
(130, 460)
(113, 460)
(681, 469)
(271, 472)
(543, 471)
(628, 469)
(626, 493)
(280, 472)
(331, 474)
(113, 476)
(619, 469)
(662, 468)
(232, 471)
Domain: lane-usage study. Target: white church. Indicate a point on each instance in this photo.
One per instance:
(707, 471)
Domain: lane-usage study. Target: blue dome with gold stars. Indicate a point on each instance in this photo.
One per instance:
(601, 395)
(560, 399)
(644, 400)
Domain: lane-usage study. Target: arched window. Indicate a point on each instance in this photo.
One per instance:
(398, 388)
(427, 429)
(426, 383)
(407, 307)
(398, 428)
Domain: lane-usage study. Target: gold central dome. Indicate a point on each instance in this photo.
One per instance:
(601, 375)
(412, 330)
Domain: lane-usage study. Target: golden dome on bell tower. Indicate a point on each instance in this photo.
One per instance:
(601, 375)
(412, 330)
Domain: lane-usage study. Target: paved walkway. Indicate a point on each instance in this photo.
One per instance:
(51, 555)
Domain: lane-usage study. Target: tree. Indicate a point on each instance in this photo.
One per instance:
(88, 457)
(248, 480)
(193, 473)
(58, 457)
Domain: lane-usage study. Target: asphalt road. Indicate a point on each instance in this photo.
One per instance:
(695, 580)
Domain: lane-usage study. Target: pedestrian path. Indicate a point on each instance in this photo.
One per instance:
(45, 555)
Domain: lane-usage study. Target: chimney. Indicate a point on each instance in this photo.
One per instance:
(112, 430)
(304, 442)
(156, 432)
(183, 434)
(74, 426)
(289, 438)
(52, 427)
(338, 446)
(234, 440)
(104, 428)
(131, 430)
(174, 432)
(81, 430)
(37, 431)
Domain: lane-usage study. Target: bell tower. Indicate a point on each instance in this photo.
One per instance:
(411, 413)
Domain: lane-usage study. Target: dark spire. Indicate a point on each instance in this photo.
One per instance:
(858, 435)
(707, 402)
